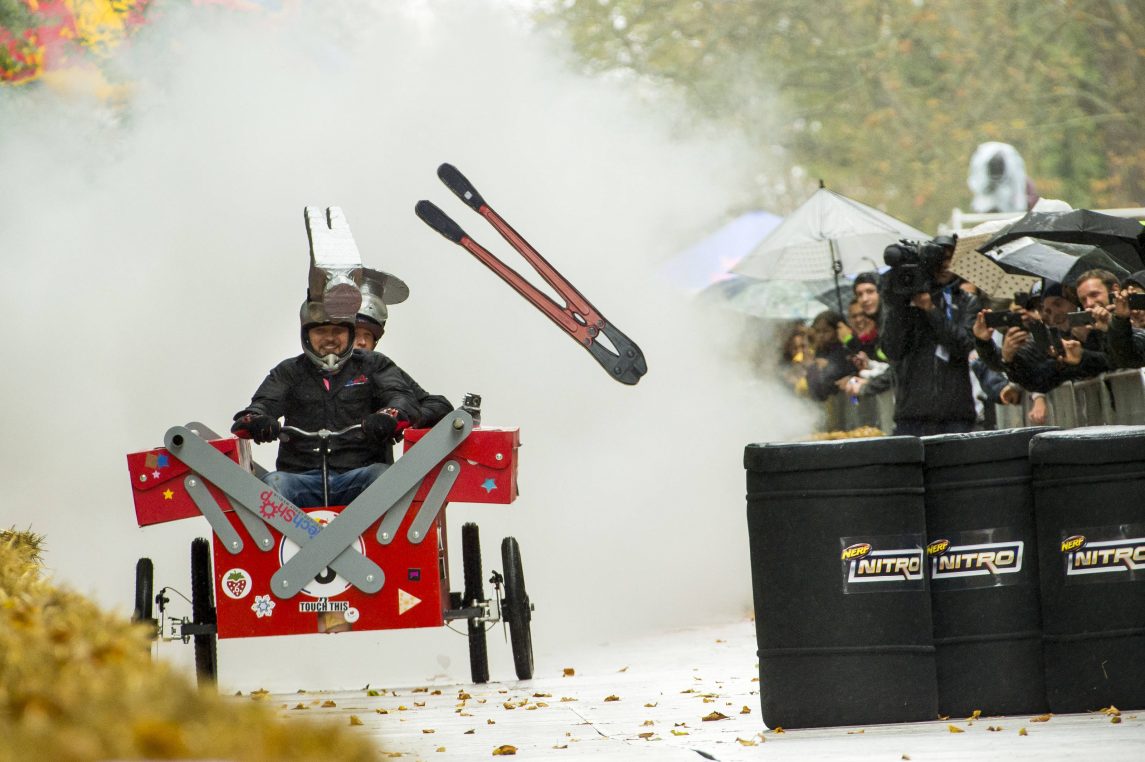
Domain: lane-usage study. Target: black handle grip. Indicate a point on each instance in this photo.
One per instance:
(460, 186)
(439, 221)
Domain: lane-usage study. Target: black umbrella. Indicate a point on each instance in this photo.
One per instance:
(1061, 262)
(1120, 237)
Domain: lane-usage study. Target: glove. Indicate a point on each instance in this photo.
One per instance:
(385, 426)
(380, 428)
(257, 426)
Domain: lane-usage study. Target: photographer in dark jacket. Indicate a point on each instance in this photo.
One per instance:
(329, 386)
(926, 336)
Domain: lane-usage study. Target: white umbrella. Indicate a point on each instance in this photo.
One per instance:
(827, 235)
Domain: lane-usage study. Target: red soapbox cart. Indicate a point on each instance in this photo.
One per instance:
(379, 563)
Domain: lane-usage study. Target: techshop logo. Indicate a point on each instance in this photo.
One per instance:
(1123, 556)
(949, 561)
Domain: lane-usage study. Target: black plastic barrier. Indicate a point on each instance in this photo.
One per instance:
(1089, 502)
(842, 609)
(983, 565)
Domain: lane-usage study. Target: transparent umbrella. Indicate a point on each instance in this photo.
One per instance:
(828, 235)
(769, 299)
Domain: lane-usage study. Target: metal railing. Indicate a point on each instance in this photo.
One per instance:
(1117, 397)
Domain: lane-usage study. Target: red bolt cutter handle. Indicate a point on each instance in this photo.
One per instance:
(579, 318)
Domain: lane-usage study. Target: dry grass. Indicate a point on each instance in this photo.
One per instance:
(79, 684)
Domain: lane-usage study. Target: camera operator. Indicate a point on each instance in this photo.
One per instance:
(926, 336)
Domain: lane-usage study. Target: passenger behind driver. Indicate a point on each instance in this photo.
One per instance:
(369, 328)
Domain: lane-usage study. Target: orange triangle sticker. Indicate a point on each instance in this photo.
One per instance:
(406, 601)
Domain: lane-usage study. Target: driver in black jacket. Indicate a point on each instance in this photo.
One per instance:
(330, 385)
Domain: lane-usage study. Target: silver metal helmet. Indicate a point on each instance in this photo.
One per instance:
(379, 289)
(314, 314)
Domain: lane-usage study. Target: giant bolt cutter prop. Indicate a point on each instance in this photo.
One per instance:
(579, 318)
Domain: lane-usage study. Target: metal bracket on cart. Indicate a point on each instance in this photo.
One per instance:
(329, 546)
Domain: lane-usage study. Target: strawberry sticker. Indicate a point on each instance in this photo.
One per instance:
(236, 584)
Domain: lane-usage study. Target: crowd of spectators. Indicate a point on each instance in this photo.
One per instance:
(948, 357)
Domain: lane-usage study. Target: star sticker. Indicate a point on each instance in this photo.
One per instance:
(168, 494)
(488, 485)
(155, 474)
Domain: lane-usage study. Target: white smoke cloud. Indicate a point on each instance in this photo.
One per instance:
(155, 258)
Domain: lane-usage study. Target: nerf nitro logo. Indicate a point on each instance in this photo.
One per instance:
(1084, 556)
(950, 561)
(864, 564)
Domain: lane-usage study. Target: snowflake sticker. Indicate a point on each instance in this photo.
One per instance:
(262, 606)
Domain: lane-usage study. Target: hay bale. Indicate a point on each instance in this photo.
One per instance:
(77, 683)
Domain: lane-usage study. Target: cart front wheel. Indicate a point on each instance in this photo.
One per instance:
(144, 591)
(203, 610)
(517, 610)
(471, 561)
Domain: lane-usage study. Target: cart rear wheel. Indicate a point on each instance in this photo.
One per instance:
(471, 561)
(203, 610)
(517, 610)
(144, 591)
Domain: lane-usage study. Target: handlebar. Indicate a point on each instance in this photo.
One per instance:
(321, 434)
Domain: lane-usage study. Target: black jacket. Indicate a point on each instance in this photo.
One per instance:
(294, 390)
(1035, 371)
(1126, 344)
(929, 353)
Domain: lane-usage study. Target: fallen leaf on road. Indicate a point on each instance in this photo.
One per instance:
(745, 710)
(1041, 718)
(714, 716)
(505, 751)
(1022, 732)
(569, 671)
(679, 732)
(355, 721)
(646, 736)
(612, 698)
(328, 703)
(955, 729)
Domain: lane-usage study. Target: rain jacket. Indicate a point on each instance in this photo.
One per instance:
(295, 390)
(929, 353)
(1126, 344)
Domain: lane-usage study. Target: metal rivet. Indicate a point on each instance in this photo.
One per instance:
(458, 424)
(369, 577)
(234, 543)
(385, 535)
(285, 583)
(499, 456)
(191, 482)
(451, 468)
(416, 535)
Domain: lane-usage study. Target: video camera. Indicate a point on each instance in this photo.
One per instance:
(914, 263)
